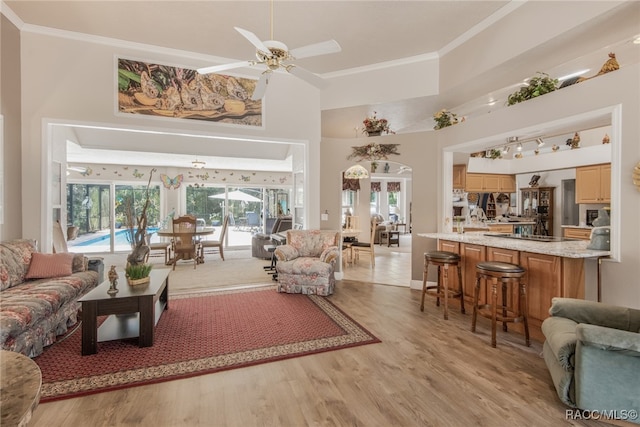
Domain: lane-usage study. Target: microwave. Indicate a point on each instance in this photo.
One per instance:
(591, 215)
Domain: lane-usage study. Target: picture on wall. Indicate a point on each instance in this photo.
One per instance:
(166, 91)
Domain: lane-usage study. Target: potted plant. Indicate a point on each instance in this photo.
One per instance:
(538, 85)
(138, 274)
(444, 118)
(137, 231)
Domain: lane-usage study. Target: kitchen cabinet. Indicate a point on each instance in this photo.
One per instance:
(490, 183)
(577, 233)
(459, 176)
(537, 203)
(593, 184)
(472, 255)
(445, 245)
(546, 276)
(509, 256)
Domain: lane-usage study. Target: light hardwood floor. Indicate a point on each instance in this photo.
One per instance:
(425, 372)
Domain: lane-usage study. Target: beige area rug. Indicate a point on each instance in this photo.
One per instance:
(237, 268)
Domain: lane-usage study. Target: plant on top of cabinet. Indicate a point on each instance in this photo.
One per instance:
(537, 85)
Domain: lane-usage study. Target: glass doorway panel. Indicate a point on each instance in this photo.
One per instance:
(245, 206)
(88, 208)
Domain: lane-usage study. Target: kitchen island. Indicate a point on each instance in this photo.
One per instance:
(554, 269)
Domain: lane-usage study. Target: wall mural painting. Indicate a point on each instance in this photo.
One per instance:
(165, 91)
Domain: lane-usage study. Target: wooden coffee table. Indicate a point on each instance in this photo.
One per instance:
(134, 311)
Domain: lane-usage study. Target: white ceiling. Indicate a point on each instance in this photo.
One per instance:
(369, 32)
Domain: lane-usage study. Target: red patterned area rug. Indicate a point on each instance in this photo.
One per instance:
(201, 334)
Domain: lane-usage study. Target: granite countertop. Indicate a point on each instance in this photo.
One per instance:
(486, 224)
(566, 249)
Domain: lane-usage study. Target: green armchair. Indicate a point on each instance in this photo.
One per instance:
(592, 351)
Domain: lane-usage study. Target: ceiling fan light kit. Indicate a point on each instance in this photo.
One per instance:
(275, 55)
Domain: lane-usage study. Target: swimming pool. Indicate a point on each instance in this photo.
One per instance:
(120, 238)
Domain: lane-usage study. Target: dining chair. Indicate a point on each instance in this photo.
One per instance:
(184, 244)
(352, 223)
(358, 247)
(157, 249)
(218, 244)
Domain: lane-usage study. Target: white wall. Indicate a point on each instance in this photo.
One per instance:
(71, 80)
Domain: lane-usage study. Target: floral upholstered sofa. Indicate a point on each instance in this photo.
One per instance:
(306, 264)
(39, 294)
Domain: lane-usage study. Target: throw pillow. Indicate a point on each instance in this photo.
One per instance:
(45, 266)
(80, 263)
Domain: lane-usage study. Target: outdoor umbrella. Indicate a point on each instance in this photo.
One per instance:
(237, 195)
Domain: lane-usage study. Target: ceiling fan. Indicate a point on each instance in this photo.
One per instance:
(275, 55)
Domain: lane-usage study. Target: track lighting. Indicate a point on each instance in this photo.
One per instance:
(506, 149)
(540, 142)
(519, 147)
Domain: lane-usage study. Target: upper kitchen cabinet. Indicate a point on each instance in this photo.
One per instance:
(593, 184)
(490, 183)
(459, 176)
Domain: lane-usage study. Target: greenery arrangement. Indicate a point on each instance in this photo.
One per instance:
(444, 118)
(373, 124)
(138, 228)
(538, 85)
(138, 271)
(373, 151)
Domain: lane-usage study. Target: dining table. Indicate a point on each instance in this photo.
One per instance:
(200, 231)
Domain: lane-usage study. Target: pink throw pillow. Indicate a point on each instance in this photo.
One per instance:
(45, 266)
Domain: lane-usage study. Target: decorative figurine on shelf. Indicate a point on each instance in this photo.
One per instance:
(386, 168)
(113, 280)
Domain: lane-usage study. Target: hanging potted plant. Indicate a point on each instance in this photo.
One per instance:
(373, 126)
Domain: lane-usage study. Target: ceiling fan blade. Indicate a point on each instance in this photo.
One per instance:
(261, 86)
(322, 48)
(307, 76)
(223, 67)
(254, 40)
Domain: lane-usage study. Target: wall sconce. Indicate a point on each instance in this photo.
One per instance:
(356, 172)
(198, 164)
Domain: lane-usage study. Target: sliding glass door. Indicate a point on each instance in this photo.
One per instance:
(89, 215)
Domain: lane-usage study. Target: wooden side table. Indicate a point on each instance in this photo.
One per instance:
(20, 383)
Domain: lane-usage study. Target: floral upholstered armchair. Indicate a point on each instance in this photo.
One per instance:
(306, 263)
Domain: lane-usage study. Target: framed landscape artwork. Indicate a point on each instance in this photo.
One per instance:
(166, 91)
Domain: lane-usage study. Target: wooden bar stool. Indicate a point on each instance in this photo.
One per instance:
(442, 260)
(508, 275)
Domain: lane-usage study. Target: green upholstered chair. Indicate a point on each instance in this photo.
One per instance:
(592, 351)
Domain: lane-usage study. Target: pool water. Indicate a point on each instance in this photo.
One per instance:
(120, 238)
